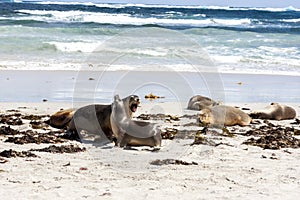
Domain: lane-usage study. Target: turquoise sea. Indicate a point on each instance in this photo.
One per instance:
(72, 36)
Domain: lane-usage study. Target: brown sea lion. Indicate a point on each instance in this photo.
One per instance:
(221, 115)
(95, 119)
(61, 119)
(275, 111)
(199, 102)
(130, 132)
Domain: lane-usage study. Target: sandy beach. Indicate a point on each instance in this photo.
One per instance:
(223, 168)
(61, 55)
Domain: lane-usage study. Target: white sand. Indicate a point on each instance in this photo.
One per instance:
(232, 171)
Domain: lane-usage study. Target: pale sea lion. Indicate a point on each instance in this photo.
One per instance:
(61, 119)
(275, 111)
(130, 132)
(95, 118)
(222, 115)
(199, 102)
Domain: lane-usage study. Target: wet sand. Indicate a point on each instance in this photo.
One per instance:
(94, 86)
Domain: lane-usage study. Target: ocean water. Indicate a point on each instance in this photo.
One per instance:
(87, 36)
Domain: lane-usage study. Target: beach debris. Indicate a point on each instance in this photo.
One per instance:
(38, 125)
(169, 133)
(12, 153)
(219, 132)
(171, 162)
(152, 96)
(245, 108)
(174, 118)
(2, 160)
(159, 116)
(68, 164)
(91, 79)
(13, 110)
(35, 117)
(30, 136)
(144, 117)
(61, 149)
(11, 119)
(297, 121)
(6, 130)
(22, 107)
(239, 83)
(274, 138)
(200, 139)
(16, 119)
(106, 194)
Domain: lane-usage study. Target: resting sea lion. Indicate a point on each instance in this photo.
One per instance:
(61, 119)
(199, 102)
(222, 115)
(275, 111)
(95, 118)
(129, 132)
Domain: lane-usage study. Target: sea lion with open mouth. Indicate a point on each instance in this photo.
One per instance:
(132, 133)
(95, 119)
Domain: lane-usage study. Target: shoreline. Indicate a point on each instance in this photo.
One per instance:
(96, 86)
(276, 73)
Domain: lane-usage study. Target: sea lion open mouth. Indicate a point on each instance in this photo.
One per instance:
(135, 101)
(133, 107)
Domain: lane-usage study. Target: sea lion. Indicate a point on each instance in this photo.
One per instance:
(130, 132)
(275, 111)
(95, 119)
(221, 115)
(61, 119)
(199, 102)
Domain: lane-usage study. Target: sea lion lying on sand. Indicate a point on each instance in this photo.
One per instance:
(275, 111)
(222, 115)
(199, 102)
(95, 118)
(61, 119)
(130, 132)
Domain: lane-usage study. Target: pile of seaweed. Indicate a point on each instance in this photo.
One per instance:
(61, 149)
(171, 162)
(45, 135)
(273, 137)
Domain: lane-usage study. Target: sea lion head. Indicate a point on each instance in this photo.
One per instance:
(204, 116)
(134, 102)
(128, 105)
